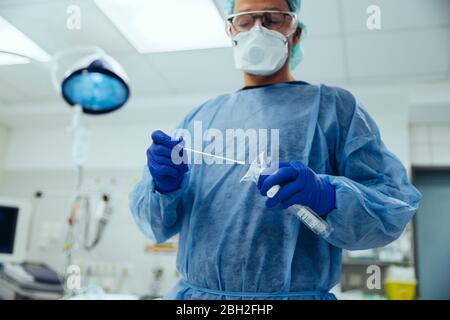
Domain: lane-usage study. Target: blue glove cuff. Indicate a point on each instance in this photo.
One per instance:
(322, 195)
(327, 199)
(167, 190)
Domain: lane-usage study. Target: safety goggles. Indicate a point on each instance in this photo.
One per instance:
(282, 21)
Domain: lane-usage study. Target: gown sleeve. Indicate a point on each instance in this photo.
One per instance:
(158, 216)
(374, 199)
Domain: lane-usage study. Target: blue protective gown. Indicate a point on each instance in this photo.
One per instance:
(231, 246)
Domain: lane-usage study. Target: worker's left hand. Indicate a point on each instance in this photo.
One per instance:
(299, 185)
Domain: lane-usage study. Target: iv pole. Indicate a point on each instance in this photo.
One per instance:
(80, 153)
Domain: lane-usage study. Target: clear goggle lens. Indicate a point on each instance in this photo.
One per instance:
(283, 22)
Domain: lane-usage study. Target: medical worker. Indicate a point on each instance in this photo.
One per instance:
(237, 243)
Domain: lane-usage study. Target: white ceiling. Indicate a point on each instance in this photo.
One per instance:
(413, 46)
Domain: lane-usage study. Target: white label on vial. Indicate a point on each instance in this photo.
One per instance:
(310, 220)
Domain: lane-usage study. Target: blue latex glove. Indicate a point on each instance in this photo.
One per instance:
(167, 176)
(299, 185)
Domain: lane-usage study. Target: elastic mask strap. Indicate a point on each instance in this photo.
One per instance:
(290, 35)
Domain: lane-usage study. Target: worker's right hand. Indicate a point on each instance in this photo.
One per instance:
(167, 175)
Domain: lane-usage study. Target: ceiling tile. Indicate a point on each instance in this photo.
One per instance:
(198, 71)
(321, 17)
(144, 79)
(408, 47)
(323, 60)
(9, 94)
(46, 24)
(390, 54)
(398, 14)
(31, 80)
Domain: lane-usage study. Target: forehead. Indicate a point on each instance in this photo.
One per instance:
(255, 5)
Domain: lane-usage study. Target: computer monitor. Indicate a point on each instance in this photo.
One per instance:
(14, 223)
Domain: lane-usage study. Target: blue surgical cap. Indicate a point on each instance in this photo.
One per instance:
(296, 51)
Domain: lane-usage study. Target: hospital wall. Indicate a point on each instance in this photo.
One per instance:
(431, 144)
(39, 159)
(4, 135)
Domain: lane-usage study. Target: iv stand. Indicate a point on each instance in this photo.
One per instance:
(81, 203)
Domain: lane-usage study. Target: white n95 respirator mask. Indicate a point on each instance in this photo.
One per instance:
(260, 51)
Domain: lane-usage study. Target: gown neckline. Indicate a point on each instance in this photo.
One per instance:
(298, 83)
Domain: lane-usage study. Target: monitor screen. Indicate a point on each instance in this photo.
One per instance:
(8, 223)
